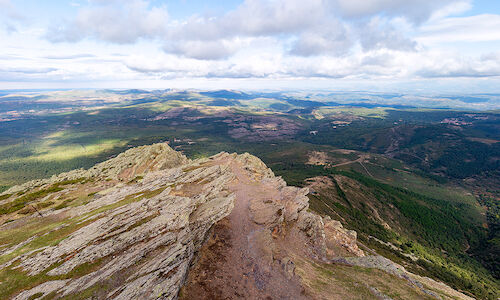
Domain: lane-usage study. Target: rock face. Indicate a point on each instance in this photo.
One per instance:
(149, 222)
(132, 241)
(124, 166)
(340, 239)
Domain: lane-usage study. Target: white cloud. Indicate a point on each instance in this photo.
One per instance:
(441, 65)
(260, 17)
(28, 70)
(206, 50)
(416, 11)
(332, 38)
(69, 56)
(253, 18)
(376, 64)
(9, 16)
(379, 34)
(476, 28)
(392, 40)
(452, 9)
(491, 57)
(378, 59)
(7, 8)
(315, 26)
(122, 23)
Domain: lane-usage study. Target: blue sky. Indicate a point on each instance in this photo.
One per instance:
(384, 45)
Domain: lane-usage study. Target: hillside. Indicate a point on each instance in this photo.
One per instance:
(433, 228)
(151, 223)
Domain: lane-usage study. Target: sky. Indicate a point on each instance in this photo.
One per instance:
(423, 46)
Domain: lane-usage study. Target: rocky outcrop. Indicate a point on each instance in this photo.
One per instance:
(125, 166)
(148, 222)
(133, 241)
(340, 240)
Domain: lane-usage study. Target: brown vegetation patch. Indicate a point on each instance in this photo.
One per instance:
(484, 141)
(319, 183)
(317, 158)
(257, 128)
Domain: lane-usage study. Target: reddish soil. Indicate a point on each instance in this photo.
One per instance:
(234, 263)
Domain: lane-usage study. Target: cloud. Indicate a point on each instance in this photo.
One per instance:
(253, 18)
(458, 73)
(414, 11)
(491, 57)
(305, 28)
(267, 39)
(206, 50)
(28, 70)
(259, 17)
(378, 59)
(164, 64)
(476, 28)
(123, 23)
(7, 8)
(254, 66)
(318, 27)
(375, 64)
(332, 38)
(11, 16)
(146, 69)
(454, 8)
(379, 34)
(71, 56)
(453, 65)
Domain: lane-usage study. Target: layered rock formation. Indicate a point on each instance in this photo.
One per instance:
(149, 222)
(136, 239)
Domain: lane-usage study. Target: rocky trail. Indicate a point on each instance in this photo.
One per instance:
(238, 268)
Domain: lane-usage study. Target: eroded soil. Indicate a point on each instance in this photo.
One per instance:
(236, 262)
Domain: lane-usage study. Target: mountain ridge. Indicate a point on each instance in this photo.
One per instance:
(151, 223)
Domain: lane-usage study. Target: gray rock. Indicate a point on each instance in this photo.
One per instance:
(143, 247)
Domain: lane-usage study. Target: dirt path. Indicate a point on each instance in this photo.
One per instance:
(368, 172)
(360, 159)
(233, 264)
